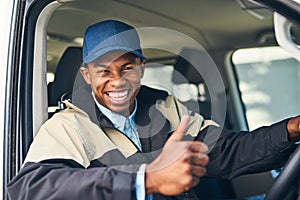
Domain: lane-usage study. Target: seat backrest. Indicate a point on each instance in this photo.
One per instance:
(65, 75)
(186, 73)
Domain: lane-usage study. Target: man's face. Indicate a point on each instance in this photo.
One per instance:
(115, 79)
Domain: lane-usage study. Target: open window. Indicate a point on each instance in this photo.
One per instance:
(269, 82)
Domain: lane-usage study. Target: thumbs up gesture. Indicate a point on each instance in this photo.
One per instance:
(179, 166)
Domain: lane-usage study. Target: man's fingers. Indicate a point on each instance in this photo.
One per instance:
(199, 159)
(293, 127)
(198, 171)
(180, 130)
(198, 147)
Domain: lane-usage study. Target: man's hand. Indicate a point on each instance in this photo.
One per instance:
(179, 166)
(293, 127)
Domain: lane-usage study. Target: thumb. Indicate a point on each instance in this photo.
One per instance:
(180, 130)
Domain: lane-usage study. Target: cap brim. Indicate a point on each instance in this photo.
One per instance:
(95, 55)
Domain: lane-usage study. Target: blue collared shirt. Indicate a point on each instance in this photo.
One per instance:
(124, 124)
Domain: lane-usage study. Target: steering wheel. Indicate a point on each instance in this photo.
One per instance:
(287, 177)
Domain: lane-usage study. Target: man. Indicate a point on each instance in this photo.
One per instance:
(120, 140)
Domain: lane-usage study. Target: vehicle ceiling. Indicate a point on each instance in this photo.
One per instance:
(215, 24)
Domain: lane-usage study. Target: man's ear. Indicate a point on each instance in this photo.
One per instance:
(86, 75)
(142, 68)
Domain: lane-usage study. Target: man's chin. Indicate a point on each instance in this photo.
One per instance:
(123, 110)
(123, 107)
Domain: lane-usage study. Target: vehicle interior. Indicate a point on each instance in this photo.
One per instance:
(220, 58)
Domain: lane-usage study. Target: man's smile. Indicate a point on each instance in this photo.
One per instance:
(118, 96)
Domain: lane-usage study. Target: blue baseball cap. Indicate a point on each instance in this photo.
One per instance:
(110, 35)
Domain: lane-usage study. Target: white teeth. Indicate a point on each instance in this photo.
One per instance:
(118, 95)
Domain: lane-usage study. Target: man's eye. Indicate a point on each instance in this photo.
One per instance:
(130, 67)
(102, 71)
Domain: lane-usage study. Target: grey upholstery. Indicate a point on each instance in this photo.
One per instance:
(190, 67)
(65, 74)
(186, 72)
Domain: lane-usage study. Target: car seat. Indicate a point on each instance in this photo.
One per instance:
(187, 73)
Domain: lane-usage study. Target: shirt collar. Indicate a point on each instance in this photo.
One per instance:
(117, 119)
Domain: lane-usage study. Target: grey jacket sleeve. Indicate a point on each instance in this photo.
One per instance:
(237, 153)
(66, 179)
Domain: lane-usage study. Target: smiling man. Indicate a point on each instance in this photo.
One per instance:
(120, 140)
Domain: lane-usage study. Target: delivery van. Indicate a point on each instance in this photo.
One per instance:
(248, 72)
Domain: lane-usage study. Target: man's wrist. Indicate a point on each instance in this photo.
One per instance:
(150, 185)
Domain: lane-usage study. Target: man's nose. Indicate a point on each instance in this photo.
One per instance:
(117, 78)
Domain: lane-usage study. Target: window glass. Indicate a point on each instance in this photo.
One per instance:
(269, 82)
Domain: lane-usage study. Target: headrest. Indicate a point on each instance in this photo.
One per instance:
(65, 74)
(190, 66)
